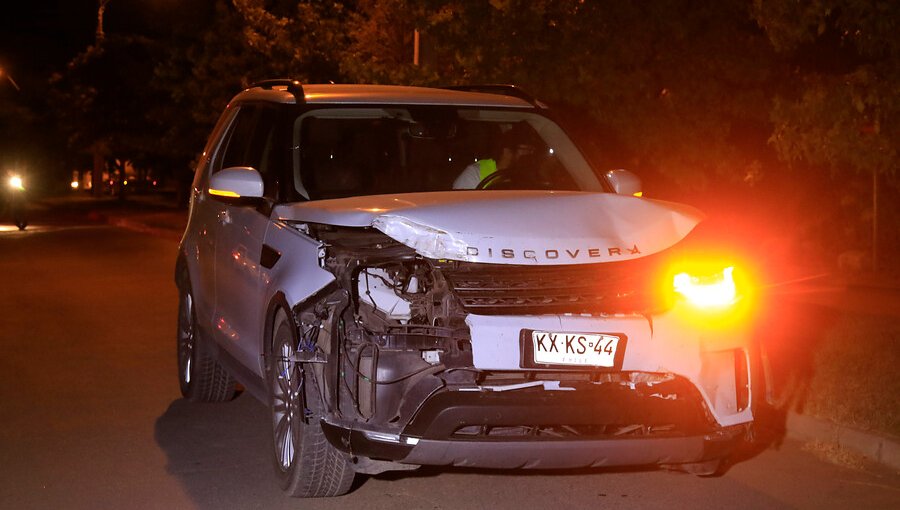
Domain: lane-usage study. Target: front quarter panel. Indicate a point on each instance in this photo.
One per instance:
(296, 275)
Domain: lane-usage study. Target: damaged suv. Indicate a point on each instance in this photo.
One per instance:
(414, 276)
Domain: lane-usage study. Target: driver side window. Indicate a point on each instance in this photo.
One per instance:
(251, 141)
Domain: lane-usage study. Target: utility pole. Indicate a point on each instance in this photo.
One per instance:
(101, 9)
(99, 150)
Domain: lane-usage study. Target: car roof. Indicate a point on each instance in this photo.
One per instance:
(350, 94)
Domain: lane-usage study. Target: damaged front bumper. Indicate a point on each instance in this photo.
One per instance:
(595, 424)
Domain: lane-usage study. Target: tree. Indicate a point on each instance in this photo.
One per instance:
(842, 113)
(245, 41)
(682, 86)
(102, 101)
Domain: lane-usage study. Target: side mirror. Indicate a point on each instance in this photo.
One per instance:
(624, 182)
(236, 182)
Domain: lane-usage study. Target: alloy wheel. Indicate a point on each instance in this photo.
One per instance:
(186, 337)
(286, 403)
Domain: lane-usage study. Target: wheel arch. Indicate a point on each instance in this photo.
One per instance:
(181, 270)
(278, 302)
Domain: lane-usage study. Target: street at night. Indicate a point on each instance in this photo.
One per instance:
(494, 254)
(92, 416)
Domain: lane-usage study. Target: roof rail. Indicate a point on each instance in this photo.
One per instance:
(293, 86)
(500, 89)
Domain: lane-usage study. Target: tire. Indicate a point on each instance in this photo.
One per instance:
(200, 375)
(307, 465)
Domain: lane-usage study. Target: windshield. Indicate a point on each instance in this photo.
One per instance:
(342, 152)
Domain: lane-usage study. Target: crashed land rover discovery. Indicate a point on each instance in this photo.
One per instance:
(414, 276)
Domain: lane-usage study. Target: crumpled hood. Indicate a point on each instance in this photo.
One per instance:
(511, 227)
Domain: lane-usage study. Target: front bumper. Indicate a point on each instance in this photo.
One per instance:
(550, 454)
(589, 426)
(716, 360)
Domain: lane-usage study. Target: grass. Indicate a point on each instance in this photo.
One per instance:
(833, 453)
(856, 380)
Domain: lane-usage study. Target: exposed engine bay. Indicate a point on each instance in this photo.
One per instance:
(386, 327)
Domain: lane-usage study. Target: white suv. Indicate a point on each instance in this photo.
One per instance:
(544, 316)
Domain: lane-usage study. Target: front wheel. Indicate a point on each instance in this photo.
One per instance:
(306, 463)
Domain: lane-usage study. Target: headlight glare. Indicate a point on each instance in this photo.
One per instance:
(715, 290)
(16, 182)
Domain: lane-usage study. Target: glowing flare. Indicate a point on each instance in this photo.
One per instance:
(16, 182)
(713, 291)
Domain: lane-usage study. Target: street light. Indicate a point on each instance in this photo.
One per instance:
(11, 80)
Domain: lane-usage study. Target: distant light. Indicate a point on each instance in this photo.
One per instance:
(16, 182)
(74, 184)
(154, 183)
(125, 183)
(639, 194)
(551, 151)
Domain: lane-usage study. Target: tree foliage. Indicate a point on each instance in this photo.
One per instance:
(103, 101)
(842, 110)
(681, 85)
(689, 89)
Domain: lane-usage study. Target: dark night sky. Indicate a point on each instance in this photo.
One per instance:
(38, 37)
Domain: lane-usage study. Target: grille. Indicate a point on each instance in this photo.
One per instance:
(612, 287)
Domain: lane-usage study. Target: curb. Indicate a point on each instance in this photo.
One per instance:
(880, 448)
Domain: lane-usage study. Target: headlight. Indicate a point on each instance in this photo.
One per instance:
(16, 182)
(708, 290)
(427, 241)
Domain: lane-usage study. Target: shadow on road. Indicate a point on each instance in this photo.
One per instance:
(219, 452)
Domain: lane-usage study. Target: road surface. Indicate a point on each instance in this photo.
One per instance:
(91, 416)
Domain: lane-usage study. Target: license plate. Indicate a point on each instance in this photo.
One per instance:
(576, 349)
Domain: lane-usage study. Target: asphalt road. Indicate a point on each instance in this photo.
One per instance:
(91, 416)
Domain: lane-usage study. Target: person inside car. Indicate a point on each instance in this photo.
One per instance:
(507, 149)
